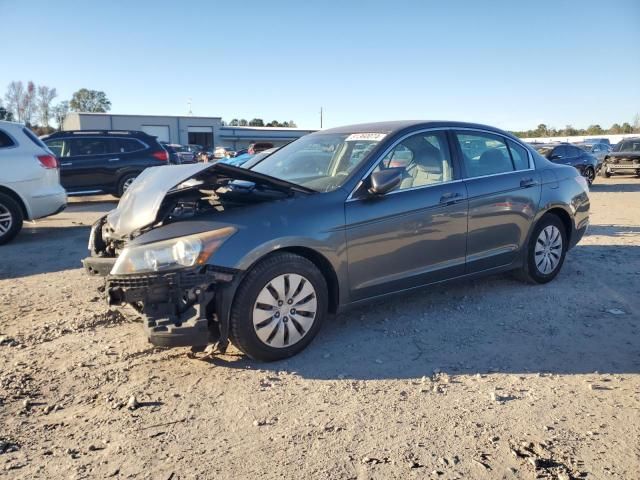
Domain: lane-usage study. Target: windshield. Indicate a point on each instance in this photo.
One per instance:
(321, 161)
(628, 146)
(584, 146)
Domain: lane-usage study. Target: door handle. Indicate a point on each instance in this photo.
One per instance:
(66, 164)
(113, 159)
(528, 182)
(450, 198)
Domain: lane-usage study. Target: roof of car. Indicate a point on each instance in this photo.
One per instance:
(398, 125)
(67, 133)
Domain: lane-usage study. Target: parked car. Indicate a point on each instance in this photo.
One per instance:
(598, 150)
(242, 151)
(29, 180)
(103, 161)
(567, 154)
(184, 153)
(174, 158)
(258, 147)
(604, 141)
(248, 160)
(260, 256)
(625, 158)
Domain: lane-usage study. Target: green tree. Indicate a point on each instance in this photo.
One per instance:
(89, 101)
(627, 128)
(234, 123)
(243, 123)
(5, 114)
(594, 130)
(60, 112)
(256, 122)
(615, 128)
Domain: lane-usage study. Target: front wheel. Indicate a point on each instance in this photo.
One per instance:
(546, 250)
(590, 175)
(279, 307)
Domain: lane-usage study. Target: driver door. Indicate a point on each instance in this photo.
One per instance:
(417, 233)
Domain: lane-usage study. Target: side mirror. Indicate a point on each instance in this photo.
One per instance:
(383, 181)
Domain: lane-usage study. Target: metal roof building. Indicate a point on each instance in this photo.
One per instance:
(206, 131)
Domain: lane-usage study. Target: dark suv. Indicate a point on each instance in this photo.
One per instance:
(100, 161)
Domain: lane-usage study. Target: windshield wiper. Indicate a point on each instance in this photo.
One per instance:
(244, 174)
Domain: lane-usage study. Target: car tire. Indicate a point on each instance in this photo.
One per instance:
(604, 173)
(264, 320)
(545, 252)
(11, 218)
(590, 175)
(124, 183)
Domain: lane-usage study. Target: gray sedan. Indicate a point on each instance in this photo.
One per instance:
(213, 253)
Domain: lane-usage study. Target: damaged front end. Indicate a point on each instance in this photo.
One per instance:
(155, 249)
(180, 308)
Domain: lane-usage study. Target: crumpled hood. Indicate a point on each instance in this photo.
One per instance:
(139, 205)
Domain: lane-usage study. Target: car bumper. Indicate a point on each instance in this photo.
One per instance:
(623, 168)
(47, 203)
(178, 307)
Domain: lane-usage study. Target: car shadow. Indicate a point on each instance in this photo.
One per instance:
(615, 187)
(613, 230)
(587, 320)
(39, 249)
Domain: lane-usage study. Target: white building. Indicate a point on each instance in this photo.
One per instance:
(206, 131)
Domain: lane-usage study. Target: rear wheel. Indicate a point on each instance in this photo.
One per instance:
(11, 218)
(124, 183)
(546, 251)
(279, 307)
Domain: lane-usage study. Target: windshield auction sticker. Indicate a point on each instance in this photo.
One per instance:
(374, 137)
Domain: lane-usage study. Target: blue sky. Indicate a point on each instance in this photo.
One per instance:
(506, 63)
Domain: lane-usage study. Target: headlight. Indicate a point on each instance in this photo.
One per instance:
(171, 254)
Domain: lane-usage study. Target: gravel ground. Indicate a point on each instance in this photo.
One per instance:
(484, 379)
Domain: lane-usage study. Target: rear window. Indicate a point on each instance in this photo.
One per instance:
(33, 138)
(6, 140)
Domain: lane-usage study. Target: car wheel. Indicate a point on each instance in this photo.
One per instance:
(124, 183)
(590, 175)
(279, 307)
(11, 218)
(546, 251)
(604, 173)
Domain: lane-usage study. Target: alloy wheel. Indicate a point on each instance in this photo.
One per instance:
(6, 220)
(548, 251)
(590, 175)
(285, 310)
(127, 183)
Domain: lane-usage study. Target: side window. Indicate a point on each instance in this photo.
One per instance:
(5, 140)
(425, 158)
(518, 155)
(55, 146)
(484, 154)
(125, 145)
(87, 146)
(560, 152)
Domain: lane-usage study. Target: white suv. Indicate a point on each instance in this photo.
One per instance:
(29, 179)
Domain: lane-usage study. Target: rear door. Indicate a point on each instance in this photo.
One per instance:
(415, 234)
(87, 163)
(504, 192)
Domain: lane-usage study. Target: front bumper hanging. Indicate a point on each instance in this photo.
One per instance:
(179, 307)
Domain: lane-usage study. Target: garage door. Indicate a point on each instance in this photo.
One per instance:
(160, 131)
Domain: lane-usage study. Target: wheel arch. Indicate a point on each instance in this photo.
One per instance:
(566, 219)
(18, 199)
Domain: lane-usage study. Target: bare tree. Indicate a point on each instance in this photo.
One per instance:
(43, 103)
(14, 99)
(60, 112)
(29, 102)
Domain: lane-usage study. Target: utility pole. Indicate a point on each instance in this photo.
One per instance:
(320, 118)
(189, 104)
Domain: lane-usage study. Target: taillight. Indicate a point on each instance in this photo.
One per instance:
(161, 155)
(48, 161)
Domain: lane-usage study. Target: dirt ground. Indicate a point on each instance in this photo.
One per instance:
(482, 380)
